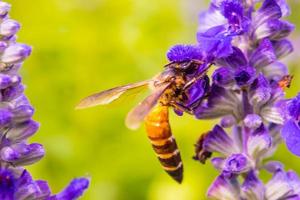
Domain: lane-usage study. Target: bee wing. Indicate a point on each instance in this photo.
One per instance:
(138, 114)
(108, 96)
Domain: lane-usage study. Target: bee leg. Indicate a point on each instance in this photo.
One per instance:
(181, 107)
(198, 62)
(191, 82)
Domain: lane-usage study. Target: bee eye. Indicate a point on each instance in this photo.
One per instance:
(190, 69)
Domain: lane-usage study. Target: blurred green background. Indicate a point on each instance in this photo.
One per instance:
(83, 46)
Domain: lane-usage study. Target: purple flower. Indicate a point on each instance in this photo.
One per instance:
(17, 126)
(15, 53)
(9, 27)
(294, 107)
(181, 53)
(246, 92)
(244, 41)
(291, 130)
(224, 188)
(18, 184)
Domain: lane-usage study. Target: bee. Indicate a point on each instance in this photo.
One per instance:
(168, 90)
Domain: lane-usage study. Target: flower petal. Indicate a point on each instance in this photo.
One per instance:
(218, 141)
(274, 29)
(259, 143)
(181, 53)
(22, 154)
(4, 9)
(9, 27)
(16, 53)
(74, 190)
(244, 76)
(215, 42)
(263, 55)
(252, 187)
(291, 134)
(275, 71)
(269, 10)
(224, 188)
(211, 18)
(293, 107)
(252, 121)
(236, 164)
(223, 76)
(221, 102)
(278, 187)
(22, 131)
(197, 92)
(234, 60)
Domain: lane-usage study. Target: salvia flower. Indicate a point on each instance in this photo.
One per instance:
(291, 129)
(245, 42)
(16, 125)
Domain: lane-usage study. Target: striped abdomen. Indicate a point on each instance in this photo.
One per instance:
(163, 143)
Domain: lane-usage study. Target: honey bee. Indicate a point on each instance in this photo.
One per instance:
(168, 88)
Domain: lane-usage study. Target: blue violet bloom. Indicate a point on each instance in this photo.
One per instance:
(244, 42)
(16, 125)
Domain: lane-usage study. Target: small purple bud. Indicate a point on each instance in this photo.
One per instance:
(5, 81)
(12, 92)
(74, 190)
(15, 79)
(236, 164)
(273, 166)
(9, 27)
(218, 163)
(264, 55)
(3, 46)
(5, 117)
(260, 91)
(22, 113)
(4, 9)
(228, 121)
(253, 121)
(22, 131)
(282, 48)
(15, 53)
(22, 154)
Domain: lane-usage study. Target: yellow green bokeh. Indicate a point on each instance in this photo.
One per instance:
(83, 46)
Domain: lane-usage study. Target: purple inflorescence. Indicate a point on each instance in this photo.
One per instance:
(245, 41)
(16, 125)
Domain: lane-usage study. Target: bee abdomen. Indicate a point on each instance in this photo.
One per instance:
(169, 157)
(164, 144)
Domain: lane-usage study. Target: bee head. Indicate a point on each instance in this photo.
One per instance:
(186, 67)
